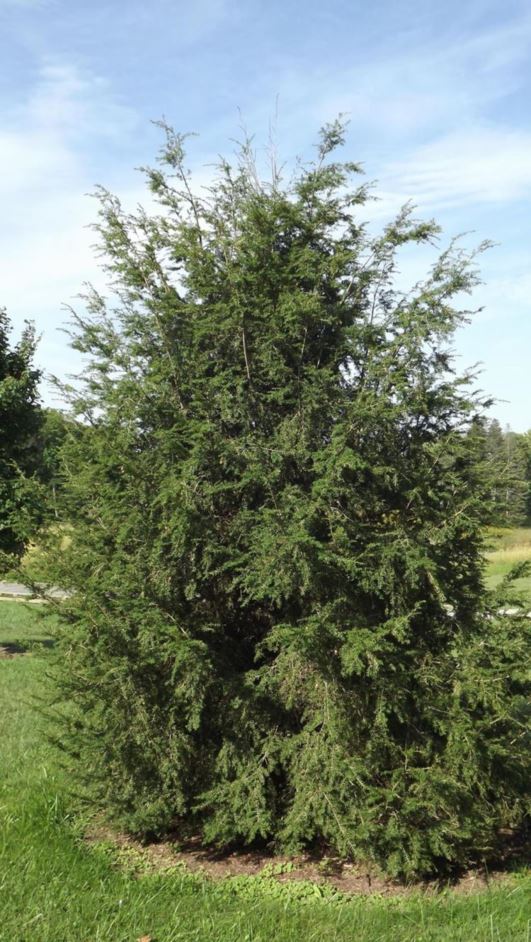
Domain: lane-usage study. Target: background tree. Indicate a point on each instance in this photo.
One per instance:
(20, 424)
(507, 466)
(55, 427)
(524, 444)
(278, 630)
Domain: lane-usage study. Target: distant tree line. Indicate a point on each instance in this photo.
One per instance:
(508, 465)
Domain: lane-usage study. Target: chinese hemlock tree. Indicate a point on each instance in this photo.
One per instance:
(278, 630)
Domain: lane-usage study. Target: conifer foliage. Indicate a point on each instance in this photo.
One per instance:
(506, 456)
(277, 630)
(20, 422)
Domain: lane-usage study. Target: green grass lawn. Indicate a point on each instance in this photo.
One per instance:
(505, 549)
(56, 888)
(24, 626)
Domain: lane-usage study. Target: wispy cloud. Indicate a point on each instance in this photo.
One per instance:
(417, 85)
(45, 171)
(473, 166)
(75, 104)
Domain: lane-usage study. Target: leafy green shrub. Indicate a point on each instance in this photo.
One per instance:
(20, 423)
(279, 630)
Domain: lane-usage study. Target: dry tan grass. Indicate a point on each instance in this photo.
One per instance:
(510, 554)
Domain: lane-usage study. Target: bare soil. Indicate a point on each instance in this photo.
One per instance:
(347, 878)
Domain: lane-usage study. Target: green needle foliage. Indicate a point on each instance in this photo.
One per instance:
(278, 629)
(20, 423)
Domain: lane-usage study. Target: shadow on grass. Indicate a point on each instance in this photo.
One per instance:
(28, 646)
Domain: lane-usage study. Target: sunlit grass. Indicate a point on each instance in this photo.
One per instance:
(55, 888)
(506, 548)
(24, 624)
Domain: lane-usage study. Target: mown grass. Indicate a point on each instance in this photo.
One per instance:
(24, 624)
(56, 888)
(506, 548)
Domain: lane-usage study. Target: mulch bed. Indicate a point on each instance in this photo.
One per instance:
(347, 878)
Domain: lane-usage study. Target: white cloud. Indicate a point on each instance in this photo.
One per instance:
(45, 169)
(74, 104)
(417, 85)
(478, 165)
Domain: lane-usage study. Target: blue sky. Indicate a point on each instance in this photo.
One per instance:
(438, 96)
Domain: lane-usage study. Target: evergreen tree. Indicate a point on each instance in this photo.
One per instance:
(524, 443)
(54, 430)
(278, 630)
(506, 464)
(20, 421)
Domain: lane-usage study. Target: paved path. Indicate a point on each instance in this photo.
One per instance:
(15, 590)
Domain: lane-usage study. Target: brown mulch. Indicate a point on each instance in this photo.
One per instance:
(347, 878)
